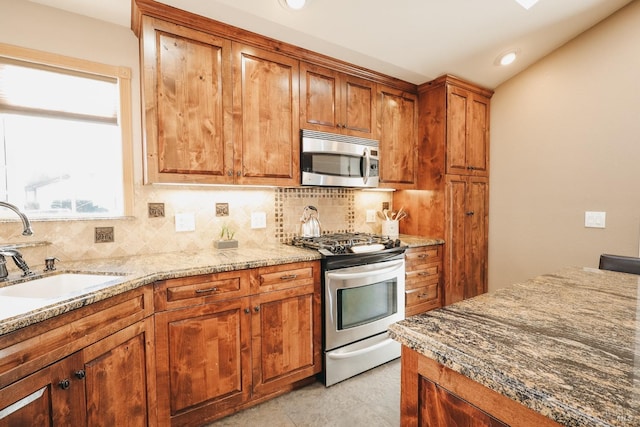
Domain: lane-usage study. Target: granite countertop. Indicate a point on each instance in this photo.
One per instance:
(140, 270)
(416, 241)
(566, 344)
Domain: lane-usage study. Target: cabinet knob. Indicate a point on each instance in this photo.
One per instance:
(469, 213)
(64, 384)
(80, 374)
(471, 168)
(247, 311)
(229, 172)
(256, 308)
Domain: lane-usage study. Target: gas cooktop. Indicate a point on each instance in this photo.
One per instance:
(347, 243)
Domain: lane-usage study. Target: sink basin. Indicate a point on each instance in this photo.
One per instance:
(59, 285)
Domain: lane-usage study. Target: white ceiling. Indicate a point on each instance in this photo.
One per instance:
(414, 40)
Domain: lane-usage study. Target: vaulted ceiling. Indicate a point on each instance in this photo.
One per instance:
(414, 40)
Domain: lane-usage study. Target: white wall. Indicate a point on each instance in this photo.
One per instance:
(565, 139)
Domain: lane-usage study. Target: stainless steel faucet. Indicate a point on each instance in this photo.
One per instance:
(17, 258)
(25, 221)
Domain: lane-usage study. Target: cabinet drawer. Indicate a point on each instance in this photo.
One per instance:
(285, 276)
(422, 299)
(417, 257)
(201, 289)
(418, 278)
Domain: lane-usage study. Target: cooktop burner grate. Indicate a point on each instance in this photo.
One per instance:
(342, 243)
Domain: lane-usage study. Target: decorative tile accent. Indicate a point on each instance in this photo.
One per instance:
(156, 210)
(222, 209)
(104, 235)
(336, 210)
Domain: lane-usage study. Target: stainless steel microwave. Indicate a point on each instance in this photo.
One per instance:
(331, 160)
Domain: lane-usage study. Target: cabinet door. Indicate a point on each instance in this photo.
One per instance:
(466, 241)
(337, 103)
(467, 132)
(319, 98)
(359, 107)
(285, 328)
(397, 126)
(203, 360)
(477, 234)
(187, 99)
(120, 378)
(266, 111)
(440, 408)
(52, 396)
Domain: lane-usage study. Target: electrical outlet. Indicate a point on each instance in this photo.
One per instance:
(185, 222)
(371, 215)
(258, 220)
(595, 219)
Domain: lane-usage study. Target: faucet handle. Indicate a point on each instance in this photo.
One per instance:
(3, 268)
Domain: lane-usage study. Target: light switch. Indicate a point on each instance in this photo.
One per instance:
(185, 222)
(595, 219)
(371, 215)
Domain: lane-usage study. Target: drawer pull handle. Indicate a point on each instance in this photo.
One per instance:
(423, 256)
(424, 273)
(423, 296)
(205, 291)
(288, 277)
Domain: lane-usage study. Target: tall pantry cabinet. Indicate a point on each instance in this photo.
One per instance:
(453, 172)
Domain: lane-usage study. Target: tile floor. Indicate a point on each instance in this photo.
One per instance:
(371, 399)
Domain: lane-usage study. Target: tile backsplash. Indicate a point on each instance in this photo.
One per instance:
(339, 210)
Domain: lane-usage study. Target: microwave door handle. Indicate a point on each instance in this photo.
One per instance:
(367, 165)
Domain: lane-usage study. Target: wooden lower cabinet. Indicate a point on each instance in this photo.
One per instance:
(50, 397)
(216, 356)
(423, 279)
(105, 383)
(436, 396)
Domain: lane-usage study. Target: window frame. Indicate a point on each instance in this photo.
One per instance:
(123, 76)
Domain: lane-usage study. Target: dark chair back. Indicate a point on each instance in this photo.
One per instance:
(623, 264)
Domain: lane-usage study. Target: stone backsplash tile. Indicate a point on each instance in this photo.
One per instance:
(71, 240)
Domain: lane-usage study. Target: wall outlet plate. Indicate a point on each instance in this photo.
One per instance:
(371, 215)
(258, 220)
(595, 219)
(185, 222)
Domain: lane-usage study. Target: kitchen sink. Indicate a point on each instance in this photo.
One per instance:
(59, 286)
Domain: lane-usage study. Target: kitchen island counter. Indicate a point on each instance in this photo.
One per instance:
(565, 345)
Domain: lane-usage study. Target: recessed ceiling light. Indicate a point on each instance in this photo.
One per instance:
(293, 4)
(507, 57)
(527, 4)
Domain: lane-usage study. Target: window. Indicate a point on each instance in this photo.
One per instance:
(65, 144)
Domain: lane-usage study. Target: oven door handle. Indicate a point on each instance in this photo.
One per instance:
(355, 353)
(366, 273)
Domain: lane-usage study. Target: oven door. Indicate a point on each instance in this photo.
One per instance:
(362, 301)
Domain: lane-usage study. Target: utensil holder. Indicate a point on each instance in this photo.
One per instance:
(390, 228)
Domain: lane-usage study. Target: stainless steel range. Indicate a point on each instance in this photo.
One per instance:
(363, 293)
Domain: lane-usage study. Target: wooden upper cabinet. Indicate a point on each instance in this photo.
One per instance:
(335, 102)
(467, 132)
(187, 104)
(397, 133)
(266, 112)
